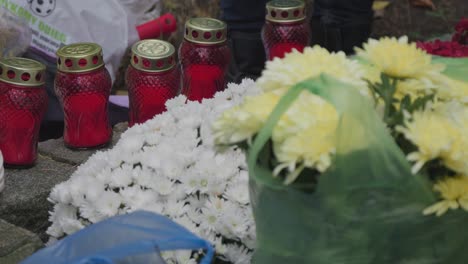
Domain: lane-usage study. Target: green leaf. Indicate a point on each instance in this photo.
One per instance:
(421, 102)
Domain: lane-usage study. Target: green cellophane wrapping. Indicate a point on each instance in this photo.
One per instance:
(367, 208)
(456, 68)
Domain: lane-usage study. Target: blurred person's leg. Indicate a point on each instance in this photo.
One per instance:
(340, 25)
(245, 19)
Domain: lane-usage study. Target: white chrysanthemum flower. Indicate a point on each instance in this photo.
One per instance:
(63, 211)
(140, 199)
(88, 211)
(209, 219)
(187, 223)
(60, 193)
(66, 218)
(71, 226)
(235, 190)
(238, 254)
(175, 208)
(122, 177)
(108, 203)
(131, 144)
(184, 256)
(169, 166)
(234, 220)
(55, 230)
(197, 201)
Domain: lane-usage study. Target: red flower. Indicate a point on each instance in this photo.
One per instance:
(444, 48)
(462, 25)
(458, 47)
(461, 32)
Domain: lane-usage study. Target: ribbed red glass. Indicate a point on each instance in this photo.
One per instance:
(203, 69)
(281, 38)
(85, 99)
(21, 111)
(149, 91)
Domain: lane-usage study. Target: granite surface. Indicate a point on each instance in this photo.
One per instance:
(24, 209)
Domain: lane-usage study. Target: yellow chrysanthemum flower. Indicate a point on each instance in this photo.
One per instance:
(281, 74)
(371, 73)
(454, 191)
(308, 110)
(456, 158)
(439, 132)
(242, 122)
(304, 136)
(398, 58)
(415, 88)
(432, 133)
(311, 148)
(450, 89)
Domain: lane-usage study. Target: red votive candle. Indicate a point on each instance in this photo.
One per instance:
(152, 79)
(204, 57)
(23, 103)
(83, 86)
(285, 28)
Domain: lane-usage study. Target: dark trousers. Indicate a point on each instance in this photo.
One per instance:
(341, 25)
(337, 25)
(245, 19)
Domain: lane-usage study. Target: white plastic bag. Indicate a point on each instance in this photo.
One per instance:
(15, 34)
(137, 10)
(55, 23)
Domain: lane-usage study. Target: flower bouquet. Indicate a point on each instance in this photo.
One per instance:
(356, 161)
(456, 47)
(169, 166)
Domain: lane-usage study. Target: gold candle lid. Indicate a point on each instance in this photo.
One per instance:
(79, 57)
(205, 31)
(20, 71)
(285, 11)
(153, 55)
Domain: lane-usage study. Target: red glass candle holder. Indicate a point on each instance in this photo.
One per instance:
(285, 28)
(83, 86)
(204, 58)
(152, 79)
(23, 103)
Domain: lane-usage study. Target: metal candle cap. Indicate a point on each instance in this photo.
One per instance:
(20, 71)
(153, 55)
(285, 11)
(205, 31)
(79, 57)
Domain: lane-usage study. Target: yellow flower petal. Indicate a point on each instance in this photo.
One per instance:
(281, 74)
(454, 192)
(398, 58)
(244, 121)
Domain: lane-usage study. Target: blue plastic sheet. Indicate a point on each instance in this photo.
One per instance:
(134, 238)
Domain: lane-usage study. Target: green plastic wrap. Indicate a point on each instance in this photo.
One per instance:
(456, 68)
(367, 208)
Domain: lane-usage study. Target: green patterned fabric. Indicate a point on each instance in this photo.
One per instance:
(366, 209)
